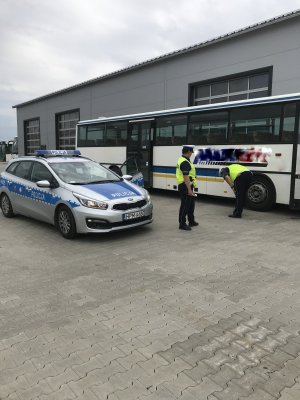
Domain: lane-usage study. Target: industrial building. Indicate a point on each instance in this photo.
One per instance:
(256, 61)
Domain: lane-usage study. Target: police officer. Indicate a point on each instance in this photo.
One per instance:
(238, 178)
(186, 178)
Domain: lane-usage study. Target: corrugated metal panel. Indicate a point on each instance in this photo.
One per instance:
(176, 53)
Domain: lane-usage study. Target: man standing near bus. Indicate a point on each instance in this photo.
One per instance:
(238, 178)
(186, 179)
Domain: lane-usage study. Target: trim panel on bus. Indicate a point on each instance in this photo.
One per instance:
(210, 171)
(216, 106)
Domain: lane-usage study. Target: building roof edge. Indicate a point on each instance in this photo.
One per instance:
(172, 54)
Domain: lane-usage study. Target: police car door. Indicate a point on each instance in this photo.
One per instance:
(40, 204)
(19, 187)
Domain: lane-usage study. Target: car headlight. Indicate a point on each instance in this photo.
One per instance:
(147, 195)
(90, 203)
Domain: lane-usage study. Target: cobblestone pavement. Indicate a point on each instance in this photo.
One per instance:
(155, 313)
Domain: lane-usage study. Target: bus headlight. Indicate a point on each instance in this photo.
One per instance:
(90, 203)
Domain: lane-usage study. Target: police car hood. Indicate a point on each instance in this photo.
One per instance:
(109, 191)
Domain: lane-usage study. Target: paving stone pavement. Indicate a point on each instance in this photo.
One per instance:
(155, 313)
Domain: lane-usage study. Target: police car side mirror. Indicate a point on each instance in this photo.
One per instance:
(127, 177)
(43, 184)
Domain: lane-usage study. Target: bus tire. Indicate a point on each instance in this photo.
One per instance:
(261, 194)
(65, 222)
(6, 206)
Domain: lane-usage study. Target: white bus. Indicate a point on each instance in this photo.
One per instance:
(260, 133)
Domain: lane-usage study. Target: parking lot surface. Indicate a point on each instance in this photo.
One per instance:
(154, 313)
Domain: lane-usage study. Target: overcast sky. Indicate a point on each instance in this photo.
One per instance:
(47, 45)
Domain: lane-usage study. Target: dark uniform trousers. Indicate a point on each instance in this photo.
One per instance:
(241, 185)
(187, 206)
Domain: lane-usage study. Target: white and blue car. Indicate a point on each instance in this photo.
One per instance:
(74, 193)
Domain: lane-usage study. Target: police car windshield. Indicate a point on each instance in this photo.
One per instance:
(83, 172)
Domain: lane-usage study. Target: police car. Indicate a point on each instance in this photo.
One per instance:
(74, 193)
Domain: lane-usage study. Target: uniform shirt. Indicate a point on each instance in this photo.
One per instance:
(185, 166)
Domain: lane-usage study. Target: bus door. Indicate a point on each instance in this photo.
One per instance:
(295, 184)
(139, 148)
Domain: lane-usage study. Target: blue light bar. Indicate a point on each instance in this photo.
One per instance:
(45, 153)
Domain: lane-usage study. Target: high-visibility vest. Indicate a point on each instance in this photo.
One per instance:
(235, 170)
(192, 173)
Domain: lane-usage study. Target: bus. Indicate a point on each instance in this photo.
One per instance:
(260, 133)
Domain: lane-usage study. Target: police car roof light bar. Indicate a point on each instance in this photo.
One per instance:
(57, 153)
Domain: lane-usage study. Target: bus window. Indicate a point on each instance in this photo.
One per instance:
(209, 128)
(288, 126)
(255, 124)
(116, 134)
(95, 135)
(171, 130)
(81, 139)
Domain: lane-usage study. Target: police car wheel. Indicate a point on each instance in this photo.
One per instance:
(65, 222)
(6, 206)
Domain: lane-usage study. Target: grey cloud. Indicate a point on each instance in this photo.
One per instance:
(46, 45)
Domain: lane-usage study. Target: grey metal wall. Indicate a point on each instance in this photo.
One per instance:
(164, 84)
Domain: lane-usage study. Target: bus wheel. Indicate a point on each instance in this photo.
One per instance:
(261, 195)
(6, 206)
(65, 222)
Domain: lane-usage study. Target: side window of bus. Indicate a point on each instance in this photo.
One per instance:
(288, 125)
(116, 134)
(111, 134)
(81, 139)
(208, 128)
(171, 130)
(255, 124)
(95, 135)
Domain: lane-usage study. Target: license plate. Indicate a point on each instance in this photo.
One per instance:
(133, 215)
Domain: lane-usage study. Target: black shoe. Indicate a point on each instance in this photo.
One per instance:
(194, 223)
(234, 216)
(185, 227)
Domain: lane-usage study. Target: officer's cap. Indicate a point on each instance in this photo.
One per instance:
(188, 147)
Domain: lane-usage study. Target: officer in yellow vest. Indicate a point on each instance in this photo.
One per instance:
(238, 178)
(186, 179)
